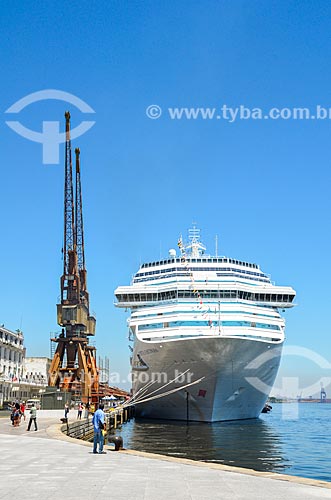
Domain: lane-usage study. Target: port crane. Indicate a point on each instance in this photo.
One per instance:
(73, 367)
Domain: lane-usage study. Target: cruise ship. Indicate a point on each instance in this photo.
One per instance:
(207, 335)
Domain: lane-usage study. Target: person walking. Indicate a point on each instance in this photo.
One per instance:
(22, 408)
(12, 414)
(80, 411)
(33, 418)
(99, 425)
(66, 410)
(17, 417)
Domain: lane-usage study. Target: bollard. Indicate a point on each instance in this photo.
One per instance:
(118, 442)
(65, 421)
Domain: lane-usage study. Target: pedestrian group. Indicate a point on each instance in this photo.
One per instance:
(99, 424)
(18, 412)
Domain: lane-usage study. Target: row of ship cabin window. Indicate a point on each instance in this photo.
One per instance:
(173, 269)
(206, 294)
(211, 260)
(175, 324)
(176, 275)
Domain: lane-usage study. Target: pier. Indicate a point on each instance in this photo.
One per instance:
(49, 464)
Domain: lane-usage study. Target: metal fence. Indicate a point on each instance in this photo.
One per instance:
(83, 429)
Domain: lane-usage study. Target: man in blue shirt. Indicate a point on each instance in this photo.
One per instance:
(99, 425)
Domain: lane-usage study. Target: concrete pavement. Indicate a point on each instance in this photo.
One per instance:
(48, 465)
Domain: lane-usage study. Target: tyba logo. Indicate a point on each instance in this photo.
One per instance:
(268, 357)
(50, 137)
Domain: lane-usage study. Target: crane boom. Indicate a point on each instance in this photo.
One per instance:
(69, 217)
(79, 233)
(79, 216)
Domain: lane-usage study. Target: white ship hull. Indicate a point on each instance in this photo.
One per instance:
(238, 375)
(216, 321)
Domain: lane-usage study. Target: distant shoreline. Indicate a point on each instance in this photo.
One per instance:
(327, 401)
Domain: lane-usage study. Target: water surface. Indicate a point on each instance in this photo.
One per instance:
(293, 439)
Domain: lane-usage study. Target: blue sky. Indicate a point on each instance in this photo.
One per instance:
(262, 185)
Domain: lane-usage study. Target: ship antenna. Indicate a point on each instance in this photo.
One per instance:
(216, 246)
(195, 246)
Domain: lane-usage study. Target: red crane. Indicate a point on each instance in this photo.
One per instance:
(73, 366)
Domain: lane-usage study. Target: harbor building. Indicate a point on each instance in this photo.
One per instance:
(12, 353)
(36, 370)
(21, 377)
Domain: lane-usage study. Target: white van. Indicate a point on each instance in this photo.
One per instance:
(36, 402)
